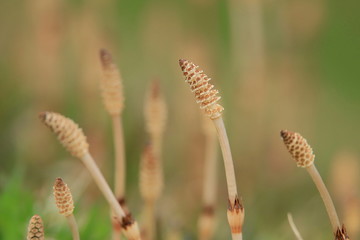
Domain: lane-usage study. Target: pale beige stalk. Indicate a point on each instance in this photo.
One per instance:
(74, 140)
(302, 153)
(207, 97)
(206, 222)
(151, 185)
(65, 204)
(73, 226)
(324, 193)
(293, 227)
(35, 228)
(113, 98)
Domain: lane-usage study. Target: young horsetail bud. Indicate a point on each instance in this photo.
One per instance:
(68, 133)
(205, 95)
(298, 147)
(63, 198)
(111, 84)
(35, 228)
(155, 109)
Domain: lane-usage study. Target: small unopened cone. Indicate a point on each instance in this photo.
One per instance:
(35, 229)
(205, 93)
(235, 215)
(130, 228)
(111, 84)
(68, 133)
(63, 198)
(298, 147)
(155, 110)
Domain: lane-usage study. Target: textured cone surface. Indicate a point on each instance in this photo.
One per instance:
(205, 95)
(63, 198)
(35, 228)
(235, 215)
(298, 147)
(151, 181)
(68, 133)
(155, 110)
(111, 85)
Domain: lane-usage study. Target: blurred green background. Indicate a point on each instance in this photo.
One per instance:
(279, 64)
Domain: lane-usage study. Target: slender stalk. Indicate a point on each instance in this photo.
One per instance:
(324, 193)
(206, 222)
(73, 226)
(210, 179)
(236, 236)
(119, 157)
(149, 212)
(228, 161)
(103, 186)
(293, 227)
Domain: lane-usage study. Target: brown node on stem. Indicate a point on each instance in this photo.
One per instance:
(341, 234)
(63, 198)
(130, 228)
(235, 215)
(151, 180)
(298, 147)
(155, 109)
(111, 84)
(68, 133)
(35, 228)
(205, 95)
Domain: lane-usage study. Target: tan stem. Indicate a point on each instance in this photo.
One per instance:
(150, 220)
(103, 186)
(236, 236)
(210, 179)
(324, 193)
(120, 163)
(293, 227)
(228, 161)
(73, 226)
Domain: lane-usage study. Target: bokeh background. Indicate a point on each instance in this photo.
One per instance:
(279, 64)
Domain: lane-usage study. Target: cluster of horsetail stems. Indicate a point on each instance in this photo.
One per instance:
(208, 98)
(113, 99)
(74, 140)
(151, 176)
(303, 154)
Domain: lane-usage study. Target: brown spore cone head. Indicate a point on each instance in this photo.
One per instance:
(298, 147)
(68, 133)
(35, 228)
(205, 93)
(63, 198)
